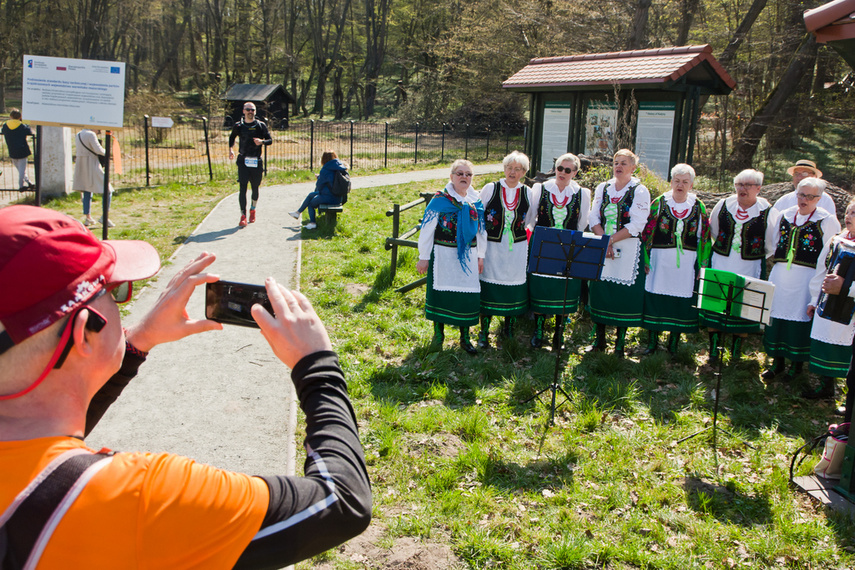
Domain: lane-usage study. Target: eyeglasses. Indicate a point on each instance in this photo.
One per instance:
(808, 197)
(465, 174)
(249, 109)
(515, 168)
(564, 169)
(121, 291)
(746, 185)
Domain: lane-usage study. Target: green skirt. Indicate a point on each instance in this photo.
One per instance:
(504, 300)
(672, 314)
(788, 339)
(617, 305)
(547, 295)
(730, 325)
(450, 307)
(829, 359)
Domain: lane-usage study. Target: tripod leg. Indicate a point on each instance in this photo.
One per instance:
(558, 336)
(715, 339)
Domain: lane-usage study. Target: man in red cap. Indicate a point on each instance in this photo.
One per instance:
(64, 358)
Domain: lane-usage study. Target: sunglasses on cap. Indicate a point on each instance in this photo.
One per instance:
(121, 292)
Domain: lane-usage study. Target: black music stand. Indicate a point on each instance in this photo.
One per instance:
(727, 297)
(565, 253)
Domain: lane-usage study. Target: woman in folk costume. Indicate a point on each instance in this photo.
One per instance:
(803, 231)
(677, 245)
(620, 210)
(562, 205)
(452, 244)
(831, 340)
(744, 234)
(508, 208)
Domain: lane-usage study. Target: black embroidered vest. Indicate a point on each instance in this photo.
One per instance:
(545, 209)
(753, 235)
(664, 234)
(623, 207)
(808, 242)
(494, 214)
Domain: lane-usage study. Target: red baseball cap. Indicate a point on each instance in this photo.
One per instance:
(51, 264)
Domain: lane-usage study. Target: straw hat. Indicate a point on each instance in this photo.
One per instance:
(808, 164)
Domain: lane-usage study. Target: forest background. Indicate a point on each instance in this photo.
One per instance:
(442, 60)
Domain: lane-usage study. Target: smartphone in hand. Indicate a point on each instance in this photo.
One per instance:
(230, 303)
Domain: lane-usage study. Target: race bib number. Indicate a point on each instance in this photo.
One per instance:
(250, 162)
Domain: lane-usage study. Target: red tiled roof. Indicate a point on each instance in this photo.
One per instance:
(832, 21)
(648, 66)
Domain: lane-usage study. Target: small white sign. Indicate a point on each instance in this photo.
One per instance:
(73, 92)
(162, 122)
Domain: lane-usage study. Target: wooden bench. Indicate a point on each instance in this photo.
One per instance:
(330, 212)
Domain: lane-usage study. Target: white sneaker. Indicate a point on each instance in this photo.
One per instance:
(311, 225)
(295, 215)
(88, 221)
(110, 223)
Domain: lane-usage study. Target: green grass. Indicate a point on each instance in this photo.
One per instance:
(457, 457)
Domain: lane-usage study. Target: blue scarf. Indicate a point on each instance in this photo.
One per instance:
(470, 221)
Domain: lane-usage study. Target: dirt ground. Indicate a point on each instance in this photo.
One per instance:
(373, 550)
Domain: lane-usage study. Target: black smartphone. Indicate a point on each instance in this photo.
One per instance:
(229, 303)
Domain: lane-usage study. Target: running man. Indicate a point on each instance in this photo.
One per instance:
(252, 134)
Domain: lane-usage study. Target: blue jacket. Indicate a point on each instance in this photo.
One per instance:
(16, 138)
(325, 178)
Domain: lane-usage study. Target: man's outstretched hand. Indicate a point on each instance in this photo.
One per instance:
(168, 319)
(296, 330)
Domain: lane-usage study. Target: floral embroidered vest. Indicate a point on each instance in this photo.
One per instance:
(494, 214)
(753, 235)
(665, 229)
(808, 242)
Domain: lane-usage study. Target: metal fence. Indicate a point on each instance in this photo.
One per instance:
(195, 151)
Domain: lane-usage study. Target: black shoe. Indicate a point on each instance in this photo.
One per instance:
(468, 348)
(536, 342)
(770, 374)
(619, 352)
(648, 351)
(483, 343)
(824, 392)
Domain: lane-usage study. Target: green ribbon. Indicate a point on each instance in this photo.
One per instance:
(791, 252)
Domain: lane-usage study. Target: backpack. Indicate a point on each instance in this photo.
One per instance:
(341, 185)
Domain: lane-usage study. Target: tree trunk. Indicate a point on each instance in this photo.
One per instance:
(638, 36)
(689, 9)
(741, 31)
(746, 146)
(376, 18)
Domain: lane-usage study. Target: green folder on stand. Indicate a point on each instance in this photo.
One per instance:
(734, 295)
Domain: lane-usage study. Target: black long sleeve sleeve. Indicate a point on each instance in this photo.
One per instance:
(331, 503)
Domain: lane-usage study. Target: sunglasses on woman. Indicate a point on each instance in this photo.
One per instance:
(565, 169)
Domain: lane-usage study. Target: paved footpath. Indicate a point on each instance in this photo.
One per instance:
(222, 397)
